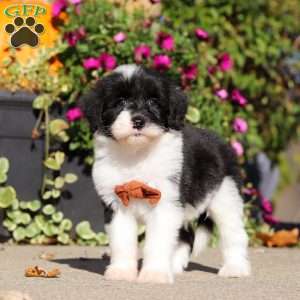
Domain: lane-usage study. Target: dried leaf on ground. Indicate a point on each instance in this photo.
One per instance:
(39, 272)
(281, 238)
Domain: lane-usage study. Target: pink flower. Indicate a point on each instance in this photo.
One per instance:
(75, 2)
(237, 147)
(91, 63)
(107, 62)
(212, 70)
(58, 6)
(268, 218)
(266, 205)
(222, 94)
(238, 97)
(201, 34)
(141, 52)
(165, 41)
(120, 37)
(74, 36)
(190, 72)
(162, 62)
(225, 62)
(240, 125)
(74, 114)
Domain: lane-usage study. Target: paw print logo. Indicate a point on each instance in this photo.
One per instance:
(24, 32)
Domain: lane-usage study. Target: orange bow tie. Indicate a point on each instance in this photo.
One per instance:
(139, 190)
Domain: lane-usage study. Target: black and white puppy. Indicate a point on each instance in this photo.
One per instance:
(137, 116)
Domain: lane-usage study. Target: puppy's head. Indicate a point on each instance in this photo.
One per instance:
(135, 105)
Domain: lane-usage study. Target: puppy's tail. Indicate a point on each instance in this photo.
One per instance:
(202, 234)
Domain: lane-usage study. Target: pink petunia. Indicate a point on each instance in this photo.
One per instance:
(91, 63)
(74, 36)
(266, 205)
(212, 70)
(75, 2)
(237, 147)
(269, 218)
(107, 62)
(141, 52)
(201, 34)
(225, 62)
(222, 94)
(238, 98)
(120, 37)
(162, 62)
(190, 72)
(165, 41)
(240, 125)
(74, 114)
(58, 6)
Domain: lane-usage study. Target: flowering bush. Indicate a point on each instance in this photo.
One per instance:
(231, 70)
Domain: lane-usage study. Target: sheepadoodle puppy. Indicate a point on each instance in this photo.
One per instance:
(137, 116)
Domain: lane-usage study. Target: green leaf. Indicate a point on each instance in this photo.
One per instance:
(47, 195)
(57, 217)
(52, 164)
(102, 238)
(40, 221)
(84, 231)
(42, 101)
(59, 182)
(19, 234)
(14, 215)
(59, 157)
(9, 224)
(50, 229)
(4, 165)
(64, 238)
(34, 205)
(71, 178)
(3, 178)
(25, 218)
(23, 204)
(193, 115)
(48, 209)
(32, 230)
(65, 225)
(55, 193)
(7, 196)
(57, 126)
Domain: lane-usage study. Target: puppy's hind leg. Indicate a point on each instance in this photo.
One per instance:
(183, 250)
(227, 211)
(191, 242)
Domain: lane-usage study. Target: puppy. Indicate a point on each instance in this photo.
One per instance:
(137, 116)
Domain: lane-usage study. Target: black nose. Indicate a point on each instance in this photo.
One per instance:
(138, 122)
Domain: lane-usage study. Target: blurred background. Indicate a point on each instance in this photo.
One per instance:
(238, 62)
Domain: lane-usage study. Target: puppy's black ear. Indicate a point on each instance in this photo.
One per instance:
(178, 103)
(92, 105)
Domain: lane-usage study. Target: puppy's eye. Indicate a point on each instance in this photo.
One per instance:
(123, 101)
(151, 101)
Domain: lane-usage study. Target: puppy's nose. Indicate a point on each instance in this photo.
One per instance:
(138, 122)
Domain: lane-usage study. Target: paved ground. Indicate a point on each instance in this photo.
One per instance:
(276, 275)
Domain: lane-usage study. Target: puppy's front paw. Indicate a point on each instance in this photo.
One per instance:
(118, 273)
(235, 270)
(152, 276)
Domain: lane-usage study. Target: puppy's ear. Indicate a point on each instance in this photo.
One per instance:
(178, 103)
(92, 105)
